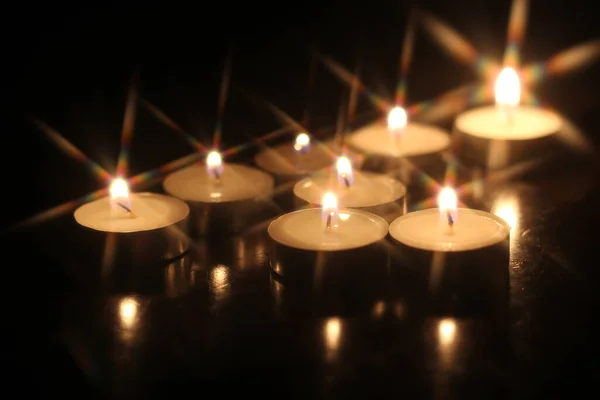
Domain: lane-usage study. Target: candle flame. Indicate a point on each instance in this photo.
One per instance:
(507, 88)
(447, 203)
(345, 174)
(119, 193)
(214, 164)
(302, 143)
(329, 209)
(397, 120)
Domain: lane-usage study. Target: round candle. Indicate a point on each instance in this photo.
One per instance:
(415, 140)
(463, 257)
(370, 192)
(236, 182)
(366, 190)
(304, 230)
(429, 230)
(490, 123)
(327, 244)
(149, 227)
(300, 157)
(507, 133)
(224, 198)
(150, 211)
(461, 254)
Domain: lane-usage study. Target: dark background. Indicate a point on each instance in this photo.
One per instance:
(70, 65)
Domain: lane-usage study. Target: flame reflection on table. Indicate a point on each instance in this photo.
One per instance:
(507, 207)
(447, 342)
(332, 337)
(128, 318)
(220, 282)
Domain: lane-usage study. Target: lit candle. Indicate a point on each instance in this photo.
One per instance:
(345, 174)
(301, 157)
(464, 252)
(375, 193)
(448, 228)
(508, 132)
(323, 240)
(223, 197)
(329, 212)
(302, 143)
(385, 144)
(148, 225)
(214, 166)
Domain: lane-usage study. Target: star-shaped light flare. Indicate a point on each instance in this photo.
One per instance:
(462, 50)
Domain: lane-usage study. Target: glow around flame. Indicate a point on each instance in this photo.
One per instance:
(447, 331)
(507, 208)
(329, 208)
(119, 192)
(302, 143)
(447, 202)
(214, 164)
(397, 120)
(507, 88)
(345, 174)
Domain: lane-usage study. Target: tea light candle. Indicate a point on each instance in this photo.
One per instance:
(384, 145)
(499, 135)
(226, 198)
(305, 241)
(149, 226)
(465, 253)
(425, 230)
(302, 157)
(375, 193)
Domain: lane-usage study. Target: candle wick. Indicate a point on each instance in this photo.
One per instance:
(346, 181)
(302, 150)
(328, 222)
(217, 177)
(124, 207)
(450, 220)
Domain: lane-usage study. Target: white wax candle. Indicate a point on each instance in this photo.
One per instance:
(416, 139)
(287, 160)
(237, 182)
(429, 230)
(304, 230)
(368, 189)
(150, 211)
(526, 123)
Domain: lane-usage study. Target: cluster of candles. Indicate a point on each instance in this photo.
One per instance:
(343, 213)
